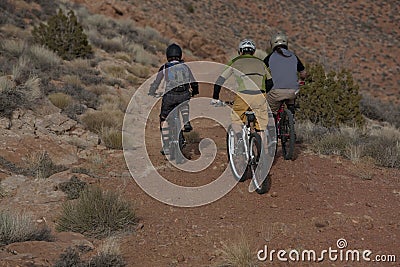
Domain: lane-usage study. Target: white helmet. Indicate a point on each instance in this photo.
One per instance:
(247, 46)
(279, 38)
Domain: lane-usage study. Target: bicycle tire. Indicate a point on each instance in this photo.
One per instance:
(287, 132)
(177, 141)
(255, 153)
(236, 155)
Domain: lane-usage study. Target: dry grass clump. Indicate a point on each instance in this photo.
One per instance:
(41, 165)
(382, 144)
(14, 47)
(60, 100)
(96, 121)
(20, 227)
(44, 58)
(108, 255)
(238, 254)
(97, 213)
(112, 138)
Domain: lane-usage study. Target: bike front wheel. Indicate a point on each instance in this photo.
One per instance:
(237, 154)
(287, 133)
(255, 153)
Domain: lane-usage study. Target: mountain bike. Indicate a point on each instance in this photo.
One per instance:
(285, 131)
(244, 149)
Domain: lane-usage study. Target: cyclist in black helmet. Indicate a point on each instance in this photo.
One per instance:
(180, 85)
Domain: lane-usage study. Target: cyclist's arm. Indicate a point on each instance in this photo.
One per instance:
(193, 84)
(268, 85)
(154, 86)
(266, 60)
(301, 69)
(221, 79)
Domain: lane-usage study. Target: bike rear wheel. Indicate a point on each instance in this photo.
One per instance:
(177, 142)
(287, 134)
(237, 154)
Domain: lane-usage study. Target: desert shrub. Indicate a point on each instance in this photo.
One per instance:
(20, 227)
(330, 99)
(384, 149)
(14, 48)
(42, 166)
(96, 213)
(10, 100)
(69, 258)
(81, 95)
(375, 109)
(142, 56)
(43, 58)
(22, 96)
(382, 144)
(64, 35)
(73, 187)
(96, 121)
(238, 254)
(73, 80)
(115, 71)
(108, 255)
(73, 110)
(139, 71)
(111, 137)
(332, 144)
(103, 259)
(60, 100)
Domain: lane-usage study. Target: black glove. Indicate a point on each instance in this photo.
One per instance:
(195, 92)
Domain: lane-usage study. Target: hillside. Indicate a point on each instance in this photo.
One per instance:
(60, 133)
(362, 36)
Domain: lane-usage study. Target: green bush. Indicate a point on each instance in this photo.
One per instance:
(330, 99)
(64, 35)
(96, 213)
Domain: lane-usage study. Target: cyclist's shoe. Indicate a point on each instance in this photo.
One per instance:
(187, 127)
(164, 151)
(217, 103)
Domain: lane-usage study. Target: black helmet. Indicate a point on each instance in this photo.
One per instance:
(174, 50)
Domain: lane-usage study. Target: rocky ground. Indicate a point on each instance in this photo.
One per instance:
(314, 200)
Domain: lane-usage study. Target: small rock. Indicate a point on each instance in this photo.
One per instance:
(139, 226)
(180, 258)
(274, 194)
(321, 224)
(274, 206)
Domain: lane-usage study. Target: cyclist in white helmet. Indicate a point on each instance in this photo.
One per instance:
(252, 77)
(284, 66)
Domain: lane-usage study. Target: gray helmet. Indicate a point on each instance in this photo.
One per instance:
(279, 38)
(247, 46)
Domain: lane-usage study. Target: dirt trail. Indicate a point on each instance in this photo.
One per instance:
(313, 202)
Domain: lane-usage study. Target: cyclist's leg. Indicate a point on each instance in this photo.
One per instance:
(167, 105)
(184, 109)
(238, 116)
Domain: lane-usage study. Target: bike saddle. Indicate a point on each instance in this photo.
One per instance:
(250, 116)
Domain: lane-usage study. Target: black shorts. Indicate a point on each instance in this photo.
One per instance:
(171, 100)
